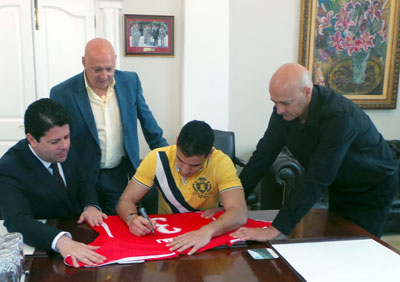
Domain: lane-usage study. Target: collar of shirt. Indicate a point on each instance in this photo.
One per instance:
(205, 165)
(106, 114)
(313, 115)
(314, 109)
(94, 95)
(46, 164)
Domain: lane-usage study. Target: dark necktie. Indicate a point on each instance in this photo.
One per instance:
(57, 175)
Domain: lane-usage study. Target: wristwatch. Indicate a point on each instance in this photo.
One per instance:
(129, 216)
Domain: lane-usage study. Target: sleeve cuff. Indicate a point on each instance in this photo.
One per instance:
(284, 222)
(96, 206)
(55, 240)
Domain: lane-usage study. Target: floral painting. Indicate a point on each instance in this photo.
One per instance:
(350, 47)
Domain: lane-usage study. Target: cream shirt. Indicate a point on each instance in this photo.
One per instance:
(109, 128)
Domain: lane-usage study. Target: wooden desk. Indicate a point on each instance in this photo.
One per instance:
(213, 265)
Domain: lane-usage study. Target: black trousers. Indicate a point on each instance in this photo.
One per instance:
(368, 209)
(111, 183)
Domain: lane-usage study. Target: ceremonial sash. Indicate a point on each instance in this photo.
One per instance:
(169, 191)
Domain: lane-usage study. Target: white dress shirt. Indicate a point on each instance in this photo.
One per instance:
(109, 127)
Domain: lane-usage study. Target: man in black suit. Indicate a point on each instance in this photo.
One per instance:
(41, 178)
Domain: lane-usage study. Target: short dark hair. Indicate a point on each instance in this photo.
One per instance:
(196, 138)
(42, 115)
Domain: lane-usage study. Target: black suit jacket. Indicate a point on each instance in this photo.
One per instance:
(29, 192)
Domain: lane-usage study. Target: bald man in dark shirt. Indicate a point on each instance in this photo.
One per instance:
(337, 144)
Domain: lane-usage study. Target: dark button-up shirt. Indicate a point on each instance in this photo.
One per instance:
(338, 145)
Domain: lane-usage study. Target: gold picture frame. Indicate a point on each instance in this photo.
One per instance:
(353, 47)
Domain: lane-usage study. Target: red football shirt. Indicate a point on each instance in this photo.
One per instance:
(118, 245)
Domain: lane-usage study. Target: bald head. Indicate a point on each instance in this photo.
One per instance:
(99, 63)
(291, 89)
(99, 46)
(289, 77)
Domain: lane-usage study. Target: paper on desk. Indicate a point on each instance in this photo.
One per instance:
(344, 260)
(28, 250)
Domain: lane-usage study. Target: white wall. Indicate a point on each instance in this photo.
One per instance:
(160, 76)
(264, 35)
(208, 74)
(205, 94)
(387, 121)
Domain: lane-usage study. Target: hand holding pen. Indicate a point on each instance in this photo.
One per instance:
(144, 214)
(140, 225)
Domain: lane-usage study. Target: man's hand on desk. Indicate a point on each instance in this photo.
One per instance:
(93, 216)
(195, 239)
(78, 251)
(256, 234)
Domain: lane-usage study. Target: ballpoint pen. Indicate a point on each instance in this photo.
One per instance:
(144, 214)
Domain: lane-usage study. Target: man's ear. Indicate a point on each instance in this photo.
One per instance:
(32, 141)
(308, 90)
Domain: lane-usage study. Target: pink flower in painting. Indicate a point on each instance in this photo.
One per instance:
(344, 19)
(324, 55)
(352, 5)
(374, 11)
(353, 44)
(367, 40)
(382, 31)
(324, 22)
(337, 41)
(352, 25)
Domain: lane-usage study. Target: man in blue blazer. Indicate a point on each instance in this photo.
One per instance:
(104, 105)
(41, 178)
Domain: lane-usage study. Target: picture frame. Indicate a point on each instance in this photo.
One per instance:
(148, 35)
(353, 47)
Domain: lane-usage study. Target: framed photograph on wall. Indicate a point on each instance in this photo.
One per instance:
(149, 35)
(353, 47)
